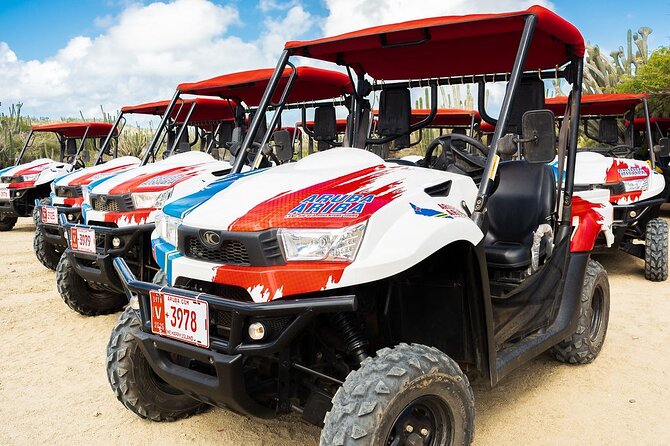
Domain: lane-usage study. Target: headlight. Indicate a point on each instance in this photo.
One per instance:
(27, 178)
(166, 228)
(148, 200)
(85, 193)
(335, 245)
(635, 185)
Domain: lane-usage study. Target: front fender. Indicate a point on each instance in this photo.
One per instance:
(592, 213)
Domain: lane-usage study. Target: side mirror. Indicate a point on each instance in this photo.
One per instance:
(539, 136)
(283, 145)
(663, 147)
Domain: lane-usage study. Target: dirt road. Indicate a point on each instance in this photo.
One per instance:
(53, 387)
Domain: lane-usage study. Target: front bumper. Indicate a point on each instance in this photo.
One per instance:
(98, 268)
(226, 386)
(18, 204)
(630, 221)
(54, 234)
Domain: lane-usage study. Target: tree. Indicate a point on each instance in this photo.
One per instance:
(654, 78)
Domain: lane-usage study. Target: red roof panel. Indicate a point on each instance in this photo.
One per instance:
(449, 46)
(76, 129)
(597, 104)
(641, 123)
(312, 84)
(206, 109)
(446, 117)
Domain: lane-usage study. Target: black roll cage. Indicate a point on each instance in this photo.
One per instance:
(572, 72)
(61, 142)
(630, 115)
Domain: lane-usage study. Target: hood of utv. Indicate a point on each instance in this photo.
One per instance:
(331, 189)
(88, 175)
(158, 176)
(32, 168)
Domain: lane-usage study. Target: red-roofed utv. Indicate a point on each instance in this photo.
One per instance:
(363, 293)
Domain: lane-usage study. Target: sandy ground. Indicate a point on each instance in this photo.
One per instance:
(53, 387)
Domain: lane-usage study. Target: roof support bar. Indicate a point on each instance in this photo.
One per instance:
(81, 145)
(492, 160)
(650, 139)
(260, 112)
(25, 146)
(573, 137)
(159, 130)
(108, 139)
(183, 127)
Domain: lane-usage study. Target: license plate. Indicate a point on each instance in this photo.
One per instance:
(82, 239)
(180, 318)
(4, 194)
(49, 215)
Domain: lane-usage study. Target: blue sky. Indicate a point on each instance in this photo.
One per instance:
(601, 21)
(61, 58)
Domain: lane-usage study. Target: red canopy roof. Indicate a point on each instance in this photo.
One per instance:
(206, 109)
(311, 84)
(597, 104)
(446, 117)
(448, 46)
(341, 125)
(76, 129)
(641, 123)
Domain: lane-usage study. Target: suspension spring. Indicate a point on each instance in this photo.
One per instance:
(352, 334)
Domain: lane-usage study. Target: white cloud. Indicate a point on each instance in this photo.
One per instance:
(141, 55)
(144, 52)
(349, 15)
(275, 5)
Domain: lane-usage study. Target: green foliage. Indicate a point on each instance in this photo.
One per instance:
(14, 130)
(653, 78)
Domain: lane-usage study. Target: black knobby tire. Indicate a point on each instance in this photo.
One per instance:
(7, 223)
(135, 384)
(584, 345)
(48, 254)
(408, 385)
(656, 250)
(81, 296)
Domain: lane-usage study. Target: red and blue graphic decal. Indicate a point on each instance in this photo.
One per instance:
(331, 205)
(446, 212)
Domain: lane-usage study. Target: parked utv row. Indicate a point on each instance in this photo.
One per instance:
(356, 287)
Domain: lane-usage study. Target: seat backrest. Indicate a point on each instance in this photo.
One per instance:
(523, 200)
(608, 131)
(529, 96)
(395, 114)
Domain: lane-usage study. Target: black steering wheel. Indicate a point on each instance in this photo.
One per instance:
(455, 159)
(79, 164)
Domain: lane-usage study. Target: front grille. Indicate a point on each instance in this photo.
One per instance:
(120, 203)
(68, 191)
(231, 252)
(230, 248)
(106, 206)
